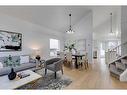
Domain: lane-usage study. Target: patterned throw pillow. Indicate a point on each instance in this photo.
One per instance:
(13, 62)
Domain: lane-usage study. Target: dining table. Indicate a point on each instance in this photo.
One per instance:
(76, 57)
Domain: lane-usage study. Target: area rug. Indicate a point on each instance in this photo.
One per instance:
(48, 81)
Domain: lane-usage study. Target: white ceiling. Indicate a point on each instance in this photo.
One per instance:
(53, 17)
(56, 17)
(102, 13)
(102, 24)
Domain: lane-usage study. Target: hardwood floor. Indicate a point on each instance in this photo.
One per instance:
(96, 77)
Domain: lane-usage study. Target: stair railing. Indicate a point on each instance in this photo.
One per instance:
(117, 52)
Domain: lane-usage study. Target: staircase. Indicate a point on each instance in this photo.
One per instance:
(118, 62)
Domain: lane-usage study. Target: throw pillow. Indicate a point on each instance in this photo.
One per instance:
(24, 59)
(32, 60)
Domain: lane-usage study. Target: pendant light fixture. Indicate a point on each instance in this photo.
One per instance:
(111, 31)
(70, 31)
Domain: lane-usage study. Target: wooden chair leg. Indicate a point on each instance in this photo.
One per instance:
(68, 63)
(78, 65)
(81, 64)
(87, 65)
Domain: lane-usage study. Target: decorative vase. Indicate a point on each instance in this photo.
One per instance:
(12, 74)
(38, 57)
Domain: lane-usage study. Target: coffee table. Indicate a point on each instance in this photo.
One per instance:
(5, 83)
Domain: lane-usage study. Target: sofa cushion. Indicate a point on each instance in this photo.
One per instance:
(6, 70)
(24, 66)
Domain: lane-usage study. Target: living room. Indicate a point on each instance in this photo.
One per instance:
(35, 36)
(52, 47)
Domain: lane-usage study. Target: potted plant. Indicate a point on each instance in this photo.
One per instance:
(69, 47)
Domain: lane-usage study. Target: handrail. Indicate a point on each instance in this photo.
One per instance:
(118, 59)
(117, 52)
(118, 46)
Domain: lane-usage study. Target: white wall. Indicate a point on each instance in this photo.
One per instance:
(124, 24)
(102, 34)
(83, 30)
(102, 31)
(124, 28)
(33, 36)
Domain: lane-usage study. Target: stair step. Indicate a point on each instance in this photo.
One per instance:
(122, 57)
(124, 61)
(120, 65)
(118, 68)
(114, 70)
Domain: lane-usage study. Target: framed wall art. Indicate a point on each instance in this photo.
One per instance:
(10, 41)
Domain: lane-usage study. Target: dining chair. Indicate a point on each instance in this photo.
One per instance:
(69, 58)
(86, 61)
(62, 55)
(83, 61)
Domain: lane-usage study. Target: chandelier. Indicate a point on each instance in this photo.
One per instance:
(111, 31)
(70, 31)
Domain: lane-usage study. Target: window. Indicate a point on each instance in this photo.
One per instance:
(54, 47)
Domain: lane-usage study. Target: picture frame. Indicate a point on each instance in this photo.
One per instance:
(10, 41)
